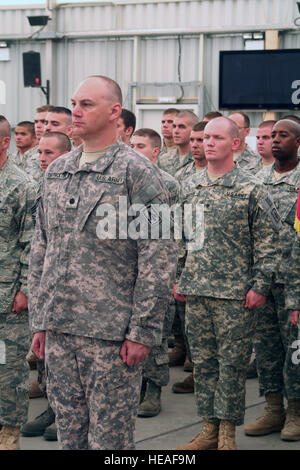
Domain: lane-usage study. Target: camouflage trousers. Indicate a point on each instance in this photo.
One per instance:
(274, 344)
(155, 365)
(94, 395)
(179, 324)
(220, 333)
(14, 368)
(40, 364)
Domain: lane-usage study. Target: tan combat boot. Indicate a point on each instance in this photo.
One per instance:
(272, 419)
(188, 365)
(10, 438)
(226, 439)
(207, 439)
(186, 386)
(177, 355)
(291, 430)
(35, 390)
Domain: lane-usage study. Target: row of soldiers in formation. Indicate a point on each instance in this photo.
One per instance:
(275, 162)
(181, 158)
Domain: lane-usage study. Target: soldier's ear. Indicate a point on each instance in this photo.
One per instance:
(236, 142)
(156, 152)
(6, 141)
(129, 131)
(116, 110)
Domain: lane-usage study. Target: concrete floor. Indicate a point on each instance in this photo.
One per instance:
(177, 423)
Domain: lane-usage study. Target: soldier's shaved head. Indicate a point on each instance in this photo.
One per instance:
(228, 124)
(62, 140)
(269, 123)
(114, 93)
(291, 126)
(285, 143)
(5, 129)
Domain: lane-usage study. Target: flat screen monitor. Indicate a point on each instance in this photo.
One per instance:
(263, 79)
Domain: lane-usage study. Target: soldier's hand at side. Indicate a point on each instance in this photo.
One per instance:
(38, 344)
(179, 297)
(20, 302)
(254, 299)
(132, 353)
(294, 317)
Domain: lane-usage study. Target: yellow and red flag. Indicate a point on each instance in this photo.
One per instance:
(297, 218)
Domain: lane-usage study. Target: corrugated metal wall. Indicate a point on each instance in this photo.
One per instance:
(203, 14)
(103, 38)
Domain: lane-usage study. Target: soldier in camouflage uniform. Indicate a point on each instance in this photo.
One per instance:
(275, 335)
(292, 293)
(98, 288)
(17, 205)
(26, 156)
(155, 365)
(39, 128)
(54, 119)
(171, 162)
(264, 150)
(244, 155)
(199, 161)
(167, 122)
(263, 146)
(199, 164)
(51, 146)
(177, 158)
(39, 120)
(226, 274)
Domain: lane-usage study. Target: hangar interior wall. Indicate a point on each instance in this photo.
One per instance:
(142, 43)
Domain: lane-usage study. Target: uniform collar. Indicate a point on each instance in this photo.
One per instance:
(99, 166)
(292, 178)
(227, 180)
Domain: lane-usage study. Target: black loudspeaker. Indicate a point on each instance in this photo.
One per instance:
(32, 69)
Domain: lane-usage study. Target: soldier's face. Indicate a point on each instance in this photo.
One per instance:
(24, 139)
(181, 130)
(143, 145)
(218, 142)
(92, 109)
(48, 151)
(124, 132)
(240, 122)
(264, 141)
(167, 125)
(197, 147)
(284, 142)
(58, 122)
(39, 124)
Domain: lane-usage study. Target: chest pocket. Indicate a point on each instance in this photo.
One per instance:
(287, 207)
(228, 212)
(289, 217)
(51, 201)
(89, 216)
